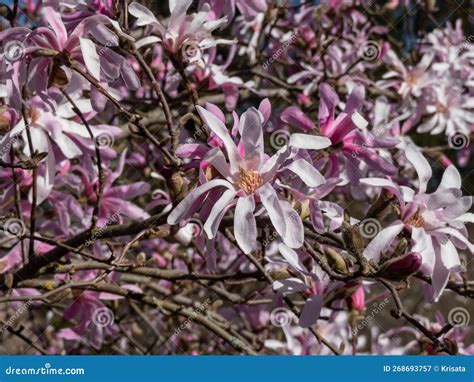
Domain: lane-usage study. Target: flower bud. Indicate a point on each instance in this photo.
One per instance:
(357, 299)
(177, 185)
(402, 267)
(45, 53)
(401, 247)
(336, 261)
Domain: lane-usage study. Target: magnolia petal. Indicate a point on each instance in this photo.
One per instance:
(466, 218)
(252, 138)
(450, 256)
(385, 183)
(271, 166)
(421, 165)
(309, 142)
(458, 235)
(328, 103)
(143, 15)
(458, 209)
(146, 41)
(291, 256)
(440, 277)
(217, 213)
(216, 159)
(451, 179)
(294, 234)
(265, 108)
(218, 127)
(306, 171)
(294, 117)
(382, 241)
(272, 204)
(182, 209)
(245, 226)
(424, 246)
(90, 56)
(54, 20)
(355, 100)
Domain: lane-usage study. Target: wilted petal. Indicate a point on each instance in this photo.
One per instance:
(311, 311)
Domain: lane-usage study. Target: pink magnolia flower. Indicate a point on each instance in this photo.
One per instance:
(435, 222)
(13, 258)
(116, 205)
(408, 80)
(183, 31)
(94, 320)
(383, 343)
(81, 8)
(317, 285)
(76, 45)
(347, 133)
(448, 110)
(246, 178)
(54, 132)
(348, 130)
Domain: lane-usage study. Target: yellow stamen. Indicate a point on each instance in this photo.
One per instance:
(416, 220)
(249, 181)
(440, 108)
(32, 114)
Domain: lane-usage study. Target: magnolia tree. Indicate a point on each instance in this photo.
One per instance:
(235, 176)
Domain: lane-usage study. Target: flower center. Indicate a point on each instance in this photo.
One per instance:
(249, 181)
(440, 108)
(32, 114)
(412, 80)
(416, 220)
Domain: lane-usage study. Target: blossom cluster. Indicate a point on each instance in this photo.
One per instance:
(234, 176)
